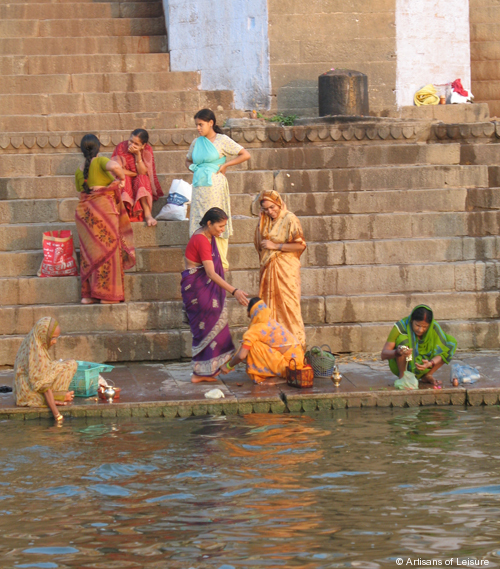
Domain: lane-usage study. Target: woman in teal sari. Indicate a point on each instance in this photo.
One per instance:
(420, 336)
(206, 158)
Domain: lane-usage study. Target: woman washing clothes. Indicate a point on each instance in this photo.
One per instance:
(203, 291)
(421, 337)
(206, 158)
(280, 243)
(142, 187)
(106, 238)
(267, 346)
(38, 380)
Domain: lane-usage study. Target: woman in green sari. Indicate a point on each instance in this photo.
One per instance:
(420, 336)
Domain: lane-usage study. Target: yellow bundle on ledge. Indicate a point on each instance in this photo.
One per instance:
(426, 96)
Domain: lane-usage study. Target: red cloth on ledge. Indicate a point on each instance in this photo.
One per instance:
(458, 88)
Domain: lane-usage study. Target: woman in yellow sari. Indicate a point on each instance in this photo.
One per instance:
(268, 347)
(38, 380)
(280, 243)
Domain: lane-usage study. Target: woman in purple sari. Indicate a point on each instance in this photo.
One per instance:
(204, 295)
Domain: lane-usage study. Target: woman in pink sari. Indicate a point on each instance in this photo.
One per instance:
(142, 187)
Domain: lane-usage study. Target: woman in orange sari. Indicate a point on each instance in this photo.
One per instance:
(280, 243)
(268, 347)
(142, 187)
(106, 238)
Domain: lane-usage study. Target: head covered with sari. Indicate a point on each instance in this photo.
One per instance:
(33, 358)
(434, 342)
(285, 228)
(34, 370)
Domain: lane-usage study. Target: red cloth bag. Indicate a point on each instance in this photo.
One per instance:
(59, 258)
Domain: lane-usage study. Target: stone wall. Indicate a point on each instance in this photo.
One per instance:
(226, 41)
(432, 45)
(309, 37)
(485, 52)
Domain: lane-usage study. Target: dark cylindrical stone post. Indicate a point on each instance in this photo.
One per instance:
(343, 92)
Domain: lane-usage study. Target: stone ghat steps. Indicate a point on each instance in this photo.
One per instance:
(48, 46)
(36, 65)
(65, 83)
(471, 276)
(44, 161)
(82, 27)
(317, 254)
(80, 104)
(79, 10)
(123, 120)
(316, 310)
(174, 344)
(348, 227)
(302, 204)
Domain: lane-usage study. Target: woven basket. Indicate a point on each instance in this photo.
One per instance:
(322, 361)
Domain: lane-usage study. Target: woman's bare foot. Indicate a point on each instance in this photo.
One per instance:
(150, 220)
(110, 302)
(89, 300)
(428, 378)
(200, 378)
(68, 398)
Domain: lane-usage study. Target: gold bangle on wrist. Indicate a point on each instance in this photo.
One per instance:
(59, 417)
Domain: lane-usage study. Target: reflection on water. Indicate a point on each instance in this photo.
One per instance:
(355, 488)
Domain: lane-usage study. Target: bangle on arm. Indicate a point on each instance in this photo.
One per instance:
(228, 367)
(281, 246)
(234, 291)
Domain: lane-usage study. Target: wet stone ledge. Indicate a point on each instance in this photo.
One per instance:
(292, 404)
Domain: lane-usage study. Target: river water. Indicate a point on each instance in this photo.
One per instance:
(357, 488)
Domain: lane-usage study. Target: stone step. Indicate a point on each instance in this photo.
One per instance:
(484, 14)
(487, 90)
(159, 345)
(98, 83)
(321, 203)
(316, 228)
(80, 10)
(287, 182)
(485, 71)
(316, 310)
(83, 45)
(494, 106)
(82, 27)
(93, 63)
(483, 32)
(484, 50)
(308, 160)
(106, 103)
(480, 154)
(473, 276)
(318, 254)
(462, 113)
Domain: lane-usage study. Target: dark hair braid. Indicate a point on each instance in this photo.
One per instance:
(90, 147)
(207, 115)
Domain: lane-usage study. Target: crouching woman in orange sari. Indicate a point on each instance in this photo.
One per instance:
(106, 238)
(280, 243)
(267, 346)
(38, 380)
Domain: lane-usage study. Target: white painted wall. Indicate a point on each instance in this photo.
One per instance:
(433, 45)
(227, 41)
